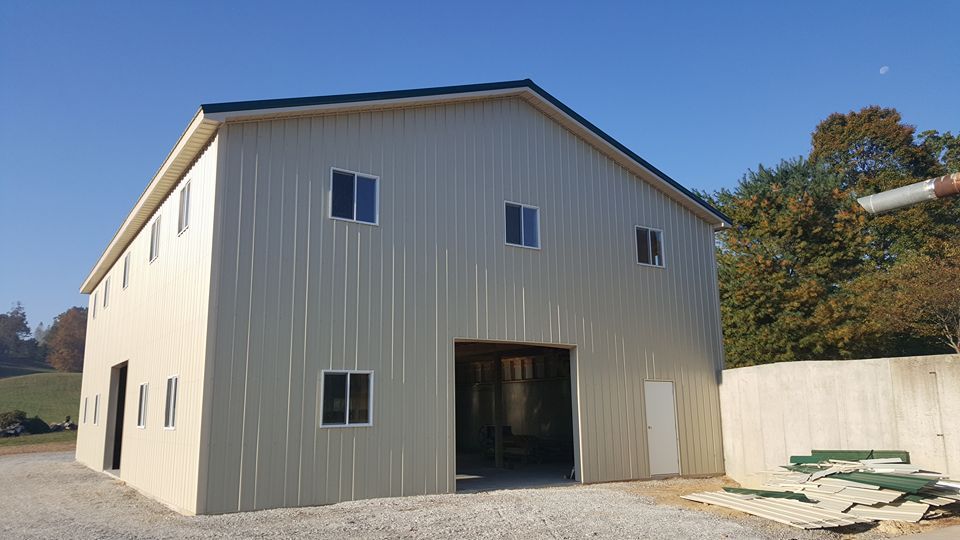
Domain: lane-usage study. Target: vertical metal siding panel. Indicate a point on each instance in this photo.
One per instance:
(158, 326)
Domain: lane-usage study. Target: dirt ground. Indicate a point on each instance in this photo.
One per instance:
(59, 498)
(59, 446)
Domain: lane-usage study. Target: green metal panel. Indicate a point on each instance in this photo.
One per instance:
(769, 494)
(856, 455)
(904, 483)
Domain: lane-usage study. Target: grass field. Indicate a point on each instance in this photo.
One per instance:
(51, 396)
(50, 442)
(10, 369)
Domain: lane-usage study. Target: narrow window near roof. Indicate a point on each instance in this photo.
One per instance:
(183, 220)
(126, 270)
(354, 196)
(95, 300)
(522, 225)
(649, 246)
(106, 293)
(155, 239)
(347, 398)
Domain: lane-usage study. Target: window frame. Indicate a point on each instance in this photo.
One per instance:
(663, 257)
(155, 239)
(85, 409)
(347, 372)
(142, 400)
(96, 409)
(376, 197)
(183, 205)
(170, 413)
(96, 299)
(106, 292)
(126, 272)
(539, 245)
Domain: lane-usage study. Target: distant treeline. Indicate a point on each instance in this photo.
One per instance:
(60, 346)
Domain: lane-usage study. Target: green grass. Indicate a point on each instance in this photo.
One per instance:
(51, 396)
(23, 440)
(15, 369)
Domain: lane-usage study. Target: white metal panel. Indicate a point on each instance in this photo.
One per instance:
(661, 427)
(158, 324)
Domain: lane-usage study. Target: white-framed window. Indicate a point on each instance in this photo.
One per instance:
(522, 225)
(96, 409)
(354, 196)
(106, 293)
(170, 409)
(346, 398)
(155, 239)
(142, 407)
(84, 415)
(126, 270)
(649, 246)
(183, 220)
(95, 300)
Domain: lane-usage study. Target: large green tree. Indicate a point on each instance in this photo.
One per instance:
(16, 345)
(805, 271)
(66, 339)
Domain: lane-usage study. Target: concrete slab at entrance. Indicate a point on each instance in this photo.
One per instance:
(472, 480)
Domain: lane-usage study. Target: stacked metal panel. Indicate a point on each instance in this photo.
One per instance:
(835, 488)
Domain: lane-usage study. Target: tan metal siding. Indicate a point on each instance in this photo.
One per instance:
(299, 292)
(159, 325)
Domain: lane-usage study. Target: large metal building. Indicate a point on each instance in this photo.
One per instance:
(344, 297)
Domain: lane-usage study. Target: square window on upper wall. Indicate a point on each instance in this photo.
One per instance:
(354, 196)
(522, 225)
(650, 247)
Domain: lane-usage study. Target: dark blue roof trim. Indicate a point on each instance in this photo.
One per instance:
(236, 106)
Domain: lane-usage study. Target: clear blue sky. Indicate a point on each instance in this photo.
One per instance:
(93, 96)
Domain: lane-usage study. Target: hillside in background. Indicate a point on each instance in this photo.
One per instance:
(51, 396)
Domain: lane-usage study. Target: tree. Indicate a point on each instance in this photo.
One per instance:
(65, 340)
(805, 273)
(921, 296)
(784, 266)
(872, 150)
(15, 341)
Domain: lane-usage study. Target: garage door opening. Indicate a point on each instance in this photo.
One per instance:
(515, 416)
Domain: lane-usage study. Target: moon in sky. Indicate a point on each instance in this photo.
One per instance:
(884, 70)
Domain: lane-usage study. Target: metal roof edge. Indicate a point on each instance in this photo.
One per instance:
(218, 109)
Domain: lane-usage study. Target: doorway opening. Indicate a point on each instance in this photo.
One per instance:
(515, 416)
(118, 400)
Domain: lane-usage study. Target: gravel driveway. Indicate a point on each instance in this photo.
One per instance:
(50, 496)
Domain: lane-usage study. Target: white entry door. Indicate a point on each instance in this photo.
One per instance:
(661, 427)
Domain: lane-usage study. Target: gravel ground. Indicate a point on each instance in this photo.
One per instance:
(58, 498)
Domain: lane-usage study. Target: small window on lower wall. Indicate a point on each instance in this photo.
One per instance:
(649, 246)
(85, 410)
(347, 398)
(142, 408)
(96, 409)
(170, 411)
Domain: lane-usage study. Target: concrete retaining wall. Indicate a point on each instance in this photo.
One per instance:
(773, 411)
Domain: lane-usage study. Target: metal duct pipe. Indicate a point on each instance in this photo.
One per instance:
(934, 188)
